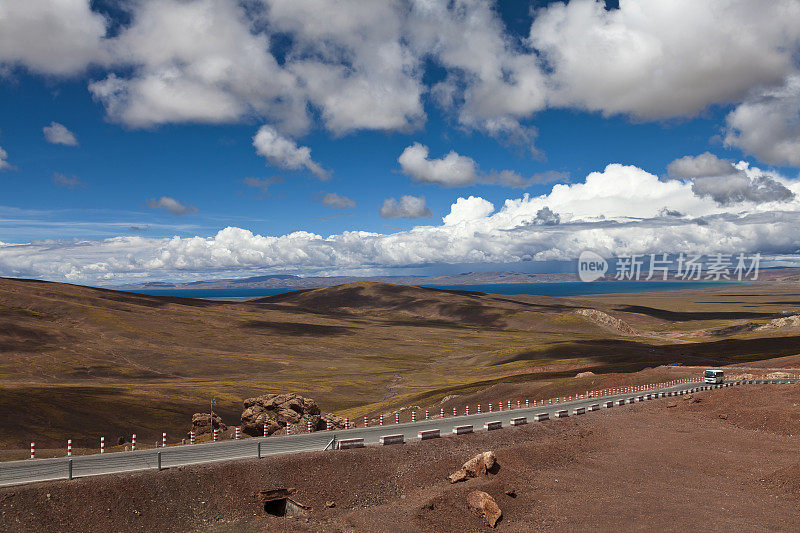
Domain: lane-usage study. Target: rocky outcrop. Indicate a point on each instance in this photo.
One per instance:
(607, 321)
(278, 411)
(484, 506)
(200, 423)
(481, 464)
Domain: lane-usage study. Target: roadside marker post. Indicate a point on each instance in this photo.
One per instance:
(102, 444)
(509, 405)
(427, 414)
(366, 422)
(490, 407)
(466, 411)
(455, 413)
(479, 408)
(265, 428)
(163, 440)
(33, 450)
(69, 447)
(237, 434)
(380, 420)
(441, 412)
(397, 418)
(191, 437)
(346, 423)
(215, 435)
(413, 416)
(133, 442)
(328, 424)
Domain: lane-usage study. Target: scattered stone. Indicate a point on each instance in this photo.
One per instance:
(482, 463)
(584, 374)
(671, 405)
(200, 423)
(723, 416)
(484, 506)
(511, 493)
(449, 397)
(688, 397)
(330, 504)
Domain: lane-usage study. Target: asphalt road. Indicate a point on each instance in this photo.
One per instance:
(32, 470)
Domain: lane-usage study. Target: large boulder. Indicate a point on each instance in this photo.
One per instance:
(200, 423)
(481, 464)
(278, 411)
(484, 506)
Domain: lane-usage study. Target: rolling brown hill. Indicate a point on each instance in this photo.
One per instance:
(79, 362)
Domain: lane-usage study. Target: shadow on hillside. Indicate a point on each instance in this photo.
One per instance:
(621, 351)
(683, 316)
(16, 338)
(299, 328)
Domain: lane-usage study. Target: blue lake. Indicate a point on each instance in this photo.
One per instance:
(565, 288)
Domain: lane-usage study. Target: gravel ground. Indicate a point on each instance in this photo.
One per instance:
(728, 461)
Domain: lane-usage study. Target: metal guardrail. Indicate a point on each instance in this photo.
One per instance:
(26, 471)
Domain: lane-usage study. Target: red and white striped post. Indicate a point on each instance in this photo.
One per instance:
(441, 412)
(413, 416)
(102, 444)
(288, 428)
(69, 447)
(490, 407)
(163, 440)
(215, 435)
(519, 404)
(455, 413)
(133, 442)
(527, 403)
(346, 423)
(328, 424)
(192, 437)
(397, 418)
(33, 450)
(466, 411)
(500, 405)
(427, 414)
(479, 408)
(366, 422)
(237, 433)
(308, 426)
(380, 420)
(265, 429)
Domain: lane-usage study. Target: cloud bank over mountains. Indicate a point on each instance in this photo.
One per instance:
(622, 209)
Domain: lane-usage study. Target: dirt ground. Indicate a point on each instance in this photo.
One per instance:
(724, 463)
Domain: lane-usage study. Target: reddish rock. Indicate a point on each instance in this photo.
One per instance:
(481, 464)
(484, 506)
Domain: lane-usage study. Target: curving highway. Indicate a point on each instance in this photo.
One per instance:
(32, 470)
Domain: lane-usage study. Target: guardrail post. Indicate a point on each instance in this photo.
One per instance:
(159, 461)
(258, 449)
(69, 469)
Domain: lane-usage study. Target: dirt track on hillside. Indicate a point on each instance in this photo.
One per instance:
(642, 467)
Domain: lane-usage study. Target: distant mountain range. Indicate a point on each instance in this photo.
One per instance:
(288, 281)
(283, 281)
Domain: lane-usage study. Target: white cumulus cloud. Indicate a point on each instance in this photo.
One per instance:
(285, 153)
(57, 133)
(171, 206)
(406, 207)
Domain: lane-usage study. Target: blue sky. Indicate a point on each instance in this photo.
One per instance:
(164, 143)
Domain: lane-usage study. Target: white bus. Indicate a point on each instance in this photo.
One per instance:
(713, 376)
